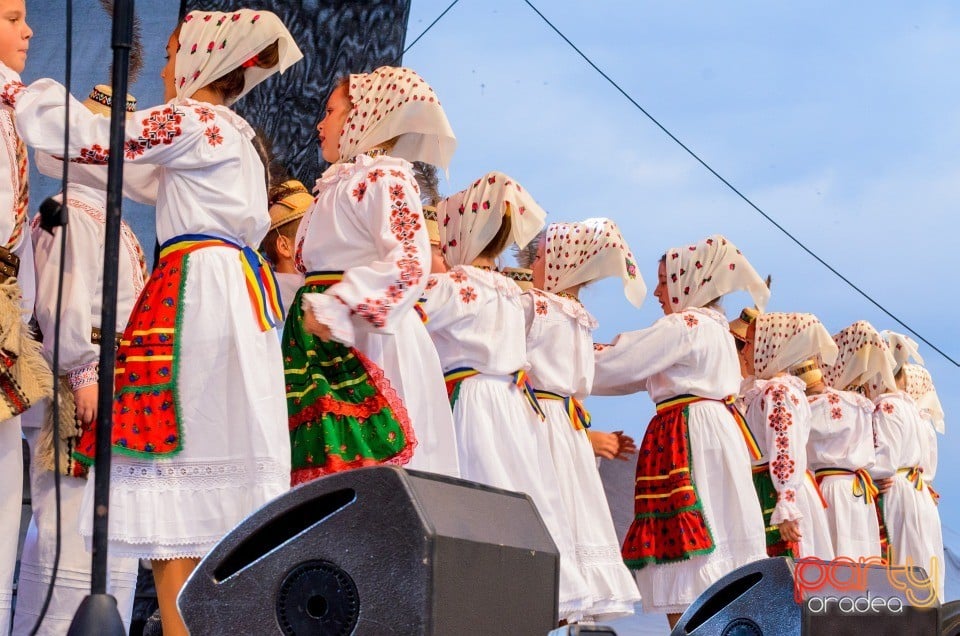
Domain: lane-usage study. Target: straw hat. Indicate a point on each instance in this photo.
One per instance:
(294, 203)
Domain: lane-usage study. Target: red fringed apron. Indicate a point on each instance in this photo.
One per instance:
(146, 409)
(669, 524)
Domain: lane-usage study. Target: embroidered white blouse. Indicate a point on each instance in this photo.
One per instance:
(466, 304)
(841, 431)
(551, 319)
(83, 282)
(899, 431)
(687, 353)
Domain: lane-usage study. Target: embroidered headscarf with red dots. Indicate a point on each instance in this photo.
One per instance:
(785, 339)
(395, 103)
(580, 253)
(213, 43)
(471, 218)
(864, 360)
(919, 386)
(698, 273)
(903, 347)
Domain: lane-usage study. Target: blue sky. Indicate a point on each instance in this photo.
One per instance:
(838, 119)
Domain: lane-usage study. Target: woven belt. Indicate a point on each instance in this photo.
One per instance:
(96, 337)
(862, 485)
(578, 414)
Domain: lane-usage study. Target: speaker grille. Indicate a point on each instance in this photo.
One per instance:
(318, 598)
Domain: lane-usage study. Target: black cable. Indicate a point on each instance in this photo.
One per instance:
(735, 190)
(55, 405)
(430, 26)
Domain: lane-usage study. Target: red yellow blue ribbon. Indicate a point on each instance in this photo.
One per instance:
(454, 377)
(578, 414)
(914, 475)
(262, 285)
(752, 447)
(862, 485)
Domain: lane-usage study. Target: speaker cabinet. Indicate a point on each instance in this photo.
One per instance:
(380, 551)
(755, 600)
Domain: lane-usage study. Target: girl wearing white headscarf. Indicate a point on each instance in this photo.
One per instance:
(779, 416)
(197, 447)
(560, 352)
(365, 250)
(910, 515)
(840, 447)
(476, 320)
(693, 467)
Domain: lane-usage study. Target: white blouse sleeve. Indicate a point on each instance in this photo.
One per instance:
(381, 292)
(79, 357)
(928, 438)
(623, 367)
(887, 441)
(181, 136)
(140, 181)
(782, 414)
(440, 301)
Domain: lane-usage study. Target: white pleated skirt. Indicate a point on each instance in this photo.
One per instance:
(410, 362)
(913, 530)
(503, 444)
(236, 445)
(722, 475)
(612, 587)
(854, 528)
(816, 540)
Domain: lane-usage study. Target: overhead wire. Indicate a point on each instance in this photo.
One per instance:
(736, 191)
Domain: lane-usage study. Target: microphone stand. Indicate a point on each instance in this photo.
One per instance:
(98, 613)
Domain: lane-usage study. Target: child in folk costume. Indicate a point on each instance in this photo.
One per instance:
(919, 385)
(80, 342)
(19, 354)
(779, 417)
(560, 352)
(697, 517)
(197, 446)
(289, 201)
(364, 384)
(840, 448)
(476, 320)
(428, 180)
(910, 516)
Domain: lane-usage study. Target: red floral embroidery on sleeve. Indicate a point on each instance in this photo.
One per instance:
(458, 276)
(541, 307)
(205, 114)
(467, 294)
(431, 283)
(780, 420)
(161, 126)
(833, 398)
(11, 90)
(836, 413)
(887, 408)
(600, 347)
(404, 223)
(95, 155)
(359, 191)
(214, 138)
(690, 319)
(132, 149)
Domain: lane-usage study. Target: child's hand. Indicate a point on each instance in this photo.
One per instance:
(883, 485)
(614, 445)
(790, 531)
(314, 326)
(86, 400)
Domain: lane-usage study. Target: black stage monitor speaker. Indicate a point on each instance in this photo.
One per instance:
(755, 600)
(780, 597)
(380, 551)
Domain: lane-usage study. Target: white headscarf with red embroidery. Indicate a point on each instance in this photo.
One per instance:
(698, 273)
(471, 218)
(919, 386)
(580, 253)
(395, 103)
(783, 340)
(864, 360)
(213, 43)
(903, 347)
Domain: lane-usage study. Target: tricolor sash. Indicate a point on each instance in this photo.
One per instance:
(861, 486)
(455, 377)
(914, 475)
(578, 414)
